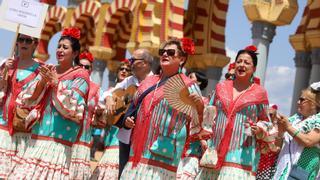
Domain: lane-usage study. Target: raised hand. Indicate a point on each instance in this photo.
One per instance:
(197, 100)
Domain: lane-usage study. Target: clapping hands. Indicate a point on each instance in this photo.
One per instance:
(49, 75)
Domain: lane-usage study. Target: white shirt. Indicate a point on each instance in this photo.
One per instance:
(128, 81)
(125, 134)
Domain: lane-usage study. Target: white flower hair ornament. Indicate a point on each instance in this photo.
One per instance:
(315, 86)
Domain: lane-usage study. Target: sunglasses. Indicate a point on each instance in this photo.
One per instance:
(170, 52)
(88, 67)
(25, 40)
(272, 115)
(124, 69)
(132, 59)
(302, 99)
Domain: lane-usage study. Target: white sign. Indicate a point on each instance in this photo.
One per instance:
(26, 12)
(30, 14)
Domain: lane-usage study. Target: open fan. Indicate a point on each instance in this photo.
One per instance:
(177, 95)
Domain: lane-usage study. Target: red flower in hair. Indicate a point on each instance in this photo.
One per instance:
(125, 60)
(274, 106)
(251, 48)
(86, 55)
(72, 32)
(188, 46)
(231, 66)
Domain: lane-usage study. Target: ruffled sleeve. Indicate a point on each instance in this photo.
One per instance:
(266, 140)
(312, 124)
(70, 98)
(23, 99)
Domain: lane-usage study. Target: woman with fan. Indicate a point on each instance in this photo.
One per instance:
(162, 134)
(242, 111)
(62, 90)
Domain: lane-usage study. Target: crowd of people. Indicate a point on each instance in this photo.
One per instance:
(49, 112)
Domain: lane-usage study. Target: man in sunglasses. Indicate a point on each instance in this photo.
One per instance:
(141, 63)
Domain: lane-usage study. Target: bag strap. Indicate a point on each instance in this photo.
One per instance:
(146, 92)
(134, 107)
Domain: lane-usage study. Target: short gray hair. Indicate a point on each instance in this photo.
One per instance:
(146, 55)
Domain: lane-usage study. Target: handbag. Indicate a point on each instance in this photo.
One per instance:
(209, 158)
(164, 146)
(296, 172)
(19, 118)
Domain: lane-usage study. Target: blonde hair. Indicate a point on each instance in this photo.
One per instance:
(313, 96)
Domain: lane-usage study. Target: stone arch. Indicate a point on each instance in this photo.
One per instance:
(117, 28)
(53, 24)
(205, 22)
(86, 17)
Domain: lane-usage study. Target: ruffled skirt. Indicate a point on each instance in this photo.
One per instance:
(188, 168)
(226, 173)
(43, 160)
(80, 162)
(12, 149)
(108, 167)
(146, 172)
(7, 152)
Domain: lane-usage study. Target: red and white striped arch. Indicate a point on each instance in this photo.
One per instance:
(116, 10)
(122, 36)
(176, 19)
(86, 17)
(310, 18)
(53, 24)
(213, 41)
(218, 24)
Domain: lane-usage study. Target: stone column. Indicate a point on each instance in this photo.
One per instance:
(74, 3)
(262, 35)
(213, 75)
(97, 71)
(112, 78)
(303, 66)
(315, 61)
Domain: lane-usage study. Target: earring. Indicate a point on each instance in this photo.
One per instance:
(180, 69)
(251, 79)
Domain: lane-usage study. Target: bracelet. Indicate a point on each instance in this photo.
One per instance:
(295, 133)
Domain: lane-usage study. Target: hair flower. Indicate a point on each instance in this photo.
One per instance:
(188, 46)
(315, 86)
(72, 32)
(125, 60)
(231, 66)
(252, 48)
(86, 55)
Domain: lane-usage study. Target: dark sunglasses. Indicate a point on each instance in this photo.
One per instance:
(272, 115)
(301, 99)
(25, 40)
(126, 69)
(132, 59)
(88, 67)
(170, 52)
